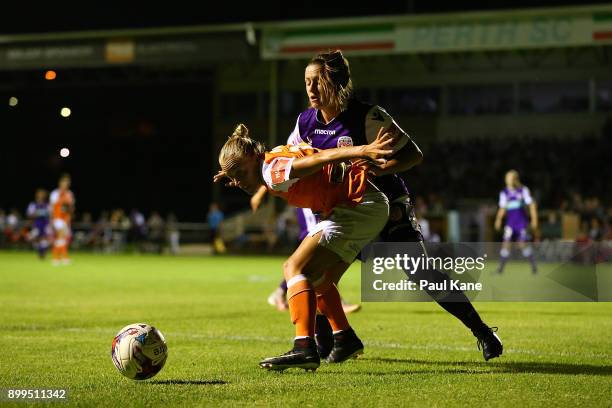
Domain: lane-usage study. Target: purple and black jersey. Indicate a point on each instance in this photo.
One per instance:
(355, 126)
(39, 213)
(514, 201)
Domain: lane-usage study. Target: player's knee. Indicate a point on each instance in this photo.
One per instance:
(291, 269)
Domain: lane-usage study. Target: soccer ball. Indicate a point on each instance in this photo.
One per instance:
(139, 351)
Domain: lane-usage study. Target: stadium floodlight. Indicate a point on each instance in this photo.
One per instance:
(50, 75)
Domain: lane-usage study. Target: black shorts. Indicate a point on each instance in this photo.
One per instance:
(402, 225)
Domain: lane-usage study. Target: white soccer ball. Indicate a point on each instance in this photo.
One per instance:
(139, 351)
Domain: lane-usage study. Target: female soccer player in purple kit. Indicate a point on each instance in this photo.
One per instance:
(512, 202)
(38, 212)
(335, 118)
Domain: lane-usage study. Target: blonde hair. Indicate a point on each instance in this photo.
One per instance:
(239, 146)
(517, 179)
(334, 78)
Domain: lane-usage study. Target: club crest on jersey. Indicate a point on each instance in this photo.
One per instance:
(278, 171)
(344, 141)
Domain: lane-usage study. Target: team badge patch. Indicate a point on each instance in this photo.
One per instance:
(278, 171)
(344, 141)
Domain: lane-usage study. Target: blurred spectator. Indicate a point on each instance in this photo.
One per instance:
(12, 220)
(173, 234)
(436, 206)
(12, 232)
(101, 234)
(138, 226)
(119, 224)
(420, 207)
(156, 229)
(551, 229)
(420, 212)
(595, 231)
(215, 218)
(116, 218)
(2, 226)
(576, 204)
(584, 245)
(87, 220)
(607, 236)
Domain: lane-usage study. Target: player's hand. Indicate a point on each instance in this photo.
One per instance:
(379, 148)
(393, 133)
(221, 175)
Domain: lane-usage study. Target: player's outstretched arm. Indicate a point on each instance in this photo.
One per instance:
(375, 151)
(258, 197)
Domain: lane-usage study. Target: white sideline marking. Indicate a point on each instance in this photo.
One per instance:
(259, 278)
(271, 339)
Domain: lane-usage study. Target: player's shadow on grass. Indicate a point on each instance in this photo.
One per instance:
(188, 382)
(504, 366)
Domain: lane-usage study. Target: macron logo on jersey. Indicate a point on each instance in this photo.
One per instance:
(324, 132)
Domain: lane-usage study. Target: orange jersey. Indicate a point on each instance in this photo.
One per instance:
(321, 191)
(61, 204)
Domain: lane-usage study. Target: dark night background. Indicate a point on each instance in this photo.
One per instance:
(125, 15)
(137, 144)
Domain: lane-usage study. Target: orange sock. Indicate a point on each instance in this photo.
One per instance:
(64, 251)
(302, 305)
(59, 250)
(330, 304)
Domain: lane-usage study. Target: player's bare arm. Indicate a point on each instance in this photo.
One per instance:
(374, 151)
(501, 212)
(258, 197)
(533, 214)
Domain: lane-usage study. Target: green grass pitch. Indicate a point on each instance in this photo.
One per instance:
(57, 324)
